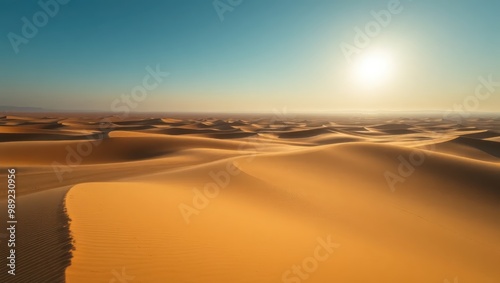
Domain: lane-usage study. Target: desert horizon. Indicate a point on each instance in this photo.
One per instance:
(236, 141)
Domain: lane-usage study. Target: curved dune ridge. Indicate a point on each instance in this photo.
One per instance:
(271, 213)
(247, 199)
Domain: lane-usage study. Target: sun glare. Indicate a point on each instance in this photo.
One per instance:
(373, 68)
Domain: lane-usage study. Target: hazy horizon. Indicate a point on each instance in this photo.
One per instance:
(7, 109)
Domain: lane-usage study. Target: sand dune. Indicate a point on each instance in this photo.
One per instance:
(481, 149)
(42, 236)
(247, 199)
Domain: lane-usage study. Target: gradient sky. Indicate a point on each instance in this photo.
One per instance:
(265, 54)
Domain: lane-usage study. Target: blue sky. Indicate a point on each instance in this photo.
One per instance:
(263, 55)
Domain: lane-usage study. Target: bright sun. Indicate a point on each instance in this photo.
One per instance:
(373, 68)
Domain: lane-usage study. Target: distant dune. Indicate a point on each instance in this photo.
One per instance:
(241, 199)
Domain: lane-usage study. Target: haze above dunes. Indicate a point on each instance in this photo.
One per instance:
(245, 199)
